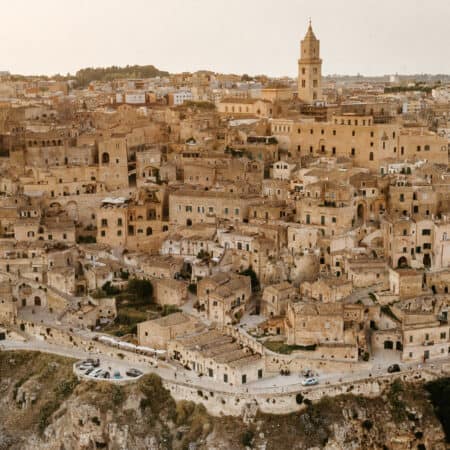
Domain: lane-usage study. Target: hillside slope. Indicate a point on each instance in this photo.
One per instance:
(42, 406)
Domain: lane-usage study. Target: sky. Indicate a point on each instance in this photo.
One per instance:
(371, 37)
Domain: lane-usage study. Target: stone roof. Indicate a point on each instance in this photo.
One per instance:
(173, 319)
(318, 309)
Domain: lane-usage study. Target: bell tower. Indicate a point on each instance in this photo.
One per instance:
(310, 68)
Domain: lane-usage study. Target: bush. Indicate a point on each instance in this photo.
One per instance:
(398, 406)
(66, 387)
(203, 255)
(117, 395)
(142, 290)
(440, 398)
(86, 240)
(124, 274)
(254, 278)
(192, 288)
(247, 438)
(169, 309)
(45, 413)
(156, 397)
(109, 289)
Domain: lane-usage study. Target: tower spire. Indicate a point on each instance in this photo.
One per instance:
(310, 68)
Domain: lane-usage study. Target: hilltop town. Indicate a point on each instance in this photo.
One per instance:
(253, 241)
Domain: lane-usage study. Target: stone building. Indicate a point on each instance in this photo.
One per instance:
(158, 333)
(223, 297)
(309, 85)
(276, 297)
(314, 323)
(167, 291)
(135, 223)
(187, 207)
(218, 356)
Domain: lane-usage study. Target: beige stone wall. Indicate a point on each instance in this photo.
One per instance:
(206, 207)
(113, 163)
(358, 138)
(427, 342)
(170, 292)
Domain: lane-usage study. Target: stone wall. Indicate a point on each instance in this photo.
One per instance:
(219, 402)
(222, 399)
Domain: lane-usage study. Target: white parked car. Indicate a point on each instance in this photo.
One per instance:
(310, 381)
(96, 372)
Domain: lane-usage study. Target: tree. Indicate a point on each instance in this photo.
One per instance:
(142, 290)
(253, 277)
(109, 289)
(203, 255)
(246, 77)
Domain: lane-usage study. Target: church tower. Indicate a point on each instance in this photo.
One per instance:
(310, 68)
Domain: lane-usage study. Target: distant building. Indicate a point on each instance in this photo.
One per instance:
(310, 69)
(179, 97)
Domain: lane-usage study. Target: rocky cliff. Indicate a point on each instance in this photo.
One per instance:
(44, 407)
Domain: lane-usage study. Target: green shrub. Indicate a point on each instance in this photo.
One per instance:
(192, 288)
(247, 438)
(440, 398)
(169, 309)
(254, 278)
(142, 290)
(66, 387)
(46, 412)
(117, 395)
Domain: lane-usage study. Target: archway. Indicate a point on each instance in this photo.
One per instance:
(105, 158)
(402, 262)
(360, 212)
(72, 210)
(37, 301)
(188, 222)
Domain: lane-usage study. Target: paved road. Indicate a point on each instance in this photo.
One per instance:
(275, 384)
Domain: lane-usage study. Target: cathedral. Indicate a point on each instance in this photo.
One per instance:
(310, 69)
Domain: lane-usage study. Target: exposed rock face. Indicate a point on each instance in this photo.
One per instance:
(43, 408)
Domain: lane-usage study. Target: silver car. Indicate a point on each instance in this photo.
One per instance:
(310, 381)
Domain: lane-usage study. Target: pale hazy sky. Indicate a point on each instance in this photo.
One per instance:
(240, 36)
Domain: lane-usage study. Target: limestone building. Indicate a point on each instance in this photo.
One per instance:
(310, 69)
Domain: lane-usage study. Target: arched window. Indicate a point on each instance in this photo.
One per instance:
(105, 158)
(149, 231)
